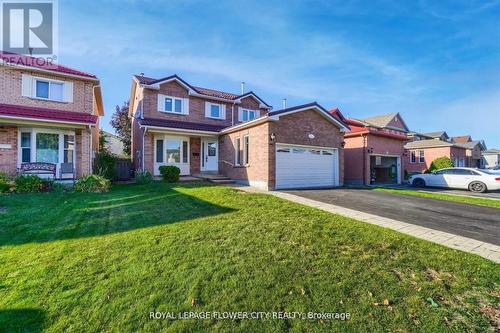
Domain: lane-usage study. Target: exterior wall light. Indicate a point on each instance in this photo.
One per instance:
(273, 137)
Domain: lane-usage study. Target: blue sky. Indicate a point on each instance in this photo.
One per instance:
(435, 62)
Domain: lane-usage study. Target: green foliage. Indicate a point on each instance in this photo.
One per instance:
(143, 177)
(102, 142)
(30, 184)
(7, 186)
(170, 173)
(92, 183)
(440, 163)
(104, 164)
(123, 126)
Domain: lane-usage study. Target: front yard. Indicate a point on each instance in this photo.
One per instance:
(103, 262)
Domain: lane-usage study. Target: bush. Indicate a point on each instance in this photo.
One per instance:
(170, 173)
(440, 163)
(143, 177)
(92, 183)
(6, 185)
(29, 184)
(104, 165)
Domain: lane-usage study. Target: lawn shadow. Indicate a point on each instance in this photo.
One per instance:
(22, 320)
(51, 216)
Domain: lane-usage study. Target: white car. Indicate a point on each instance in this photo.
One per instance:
(471, 179)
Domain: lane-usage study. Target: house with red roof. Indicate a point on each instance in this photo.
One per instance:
(374, 149)
(204, 131)
(49, 114)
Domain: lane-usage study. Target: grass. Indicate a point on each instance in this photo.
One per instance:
(441, 196)
(103, 262)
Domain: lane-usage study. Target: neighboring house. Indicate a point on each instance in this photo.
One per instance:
(439, 135)
(204, 130)
(113, 144)
(47, 114)
(474, 149)
(374, 149)
(491, 158)
(421, 153)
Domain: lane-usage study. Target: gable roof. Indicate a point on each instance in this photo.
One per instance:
(18, 60)
(462, 138)
(437, 134)
(471, 144)
(429, 143)
(200, 90)
(384, 120)
(492, 151)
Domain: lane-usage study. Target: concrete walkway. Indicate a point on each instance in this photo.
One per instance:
(486, 250)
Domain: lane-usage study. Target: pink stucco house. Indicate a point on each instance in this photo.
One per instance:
(48, 114)
(204, 131)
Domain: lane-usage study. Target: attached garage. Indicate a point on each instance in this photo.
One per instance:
(306, 167)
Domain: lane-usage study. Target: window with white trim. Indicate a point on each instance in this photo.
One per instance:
(421, 156)
(25, 147)
(237, 152)
(159, 151)
(69, 148)
(215, 110)
(413, 157)
(248, 115)
(50, 90)
(173, 105)
(246, 150)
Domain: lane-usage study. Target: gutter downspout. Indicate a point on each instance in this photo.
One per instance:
(143, 139)
(232, 114)
(364, 157)
(91, 160)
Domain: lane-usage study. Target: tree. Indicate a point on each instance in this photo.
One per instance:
(123, 126)
(440, 163)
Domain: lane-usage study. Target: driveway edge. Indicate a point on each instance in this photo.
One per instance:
(483, 249)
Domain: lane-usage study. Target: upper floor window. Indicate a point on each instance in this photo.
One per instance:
(413, 157)
(421, 157)
(173, 104)
(47, 89)
(247, 115)
(51, 90)
(214, 110)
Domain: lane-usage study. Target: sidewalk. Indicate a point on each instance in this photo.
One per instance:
(486, 250)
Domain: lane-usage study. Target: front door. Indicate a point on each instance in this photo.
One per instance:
(209, 155)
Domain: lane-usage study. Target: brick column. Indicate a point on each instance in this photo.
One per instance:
(8, 154)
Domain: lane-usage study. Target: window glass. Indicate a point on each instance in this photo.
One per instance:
(244, 115)
(178, 105)
(443, 172)
(251, 115)
(168, 104)
(283, 150)
(215, 111)
(26, 147)
(421, 156)
(315, 152)
(159, 151)
(237, 151)
(173, 151)
(47, 147)
(413, 156)
(298, 151)
(42, 89)
(69, 148)
(56, 91)
(327, 152)
(212, 148)
(246, 144)
(184, 152)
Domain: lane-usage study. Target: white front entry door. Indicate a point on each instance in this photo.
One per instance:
(302, 167)
(210, 155)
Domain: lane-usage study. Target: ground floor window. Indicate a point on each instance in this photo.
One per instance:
(46, 145)
(246, 150)
(171, 150)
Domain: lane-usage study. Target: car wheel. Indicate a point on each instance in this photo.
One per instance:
(478, 187)
(419, 182)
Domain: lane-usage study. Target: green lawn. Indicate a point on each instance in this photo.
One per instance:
(441, 196)
(102, 262)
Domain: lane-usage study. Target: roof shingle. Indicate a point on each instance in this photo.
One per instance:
(46, 114)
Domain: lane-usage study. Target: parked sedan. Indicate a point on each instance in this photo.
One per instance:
(464, 178)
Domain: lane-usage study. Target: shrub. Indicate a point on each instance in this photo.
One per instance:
(6, 185)
(104, 164)
(143, 177)
(92, 183)
(170, 173)
(29, 184)
(440, 163)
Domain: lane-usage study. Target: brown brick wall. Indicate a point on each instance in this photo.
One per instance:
(83, 158)
(195, 147)
(8, 156)
(149, 152)
(11, 85)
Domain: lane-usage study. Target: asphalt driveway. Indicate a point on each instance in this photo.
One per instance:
(477, 222)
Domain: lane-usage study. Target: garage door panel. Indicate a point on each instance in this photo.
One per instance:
(298, 167)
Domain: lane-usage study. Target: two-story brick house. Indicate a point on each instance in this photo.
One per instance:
(236, 135)
(48, 113)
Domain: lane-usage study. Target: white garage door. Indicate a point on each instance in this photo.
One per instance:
(299, 167)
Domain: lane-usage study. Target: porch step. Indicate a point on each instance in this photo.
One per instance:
(222, 181)
(214, 178)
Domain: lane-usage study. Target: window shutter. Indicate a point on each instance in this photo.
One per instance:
(223, 111)
(27, 85)
(161, 102)
(207, 109)
(68, 91)
(185, 106)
